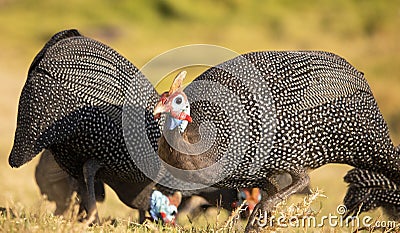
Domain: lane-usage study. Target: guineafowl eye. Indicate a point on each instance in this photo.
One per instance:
(178, 103)
(178, 100)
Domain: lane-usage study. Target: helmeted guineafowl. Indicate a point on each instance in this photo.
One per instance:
(266, 113)
(369, 190)
(71, 104)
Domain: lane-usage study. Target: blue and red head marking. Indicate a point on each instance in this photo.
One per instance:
(164, 208)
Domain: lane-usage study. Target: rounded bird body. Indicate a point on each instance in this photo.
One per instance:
(277, 112)
(71, 104)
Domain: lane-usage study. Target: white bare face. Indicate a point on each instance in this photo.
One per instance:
(180, 112)
(175, 103)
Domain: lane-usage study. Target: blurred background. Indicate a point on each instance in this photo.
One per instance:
(365, 32)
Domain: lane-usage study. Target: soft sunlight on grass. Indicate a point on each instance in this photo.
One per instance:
(299, 214)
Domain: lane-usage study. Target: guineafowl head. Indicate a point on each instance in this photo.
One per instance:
(176, 104)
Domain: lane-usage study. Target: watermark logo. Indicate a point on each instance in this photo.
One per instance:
(234, 99)
(331, 220)
(341, 209)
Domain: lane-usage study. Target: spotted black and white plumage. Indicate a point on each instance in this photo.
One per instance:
(71, 104)
(322, 108)
(282, 112)
(369, 190)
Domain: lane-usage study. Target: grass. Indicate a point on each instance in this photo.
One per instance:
(364, 32)
(300, 215)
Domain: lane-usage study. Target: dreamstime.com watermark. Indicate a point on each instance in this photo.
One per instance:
(330, 220)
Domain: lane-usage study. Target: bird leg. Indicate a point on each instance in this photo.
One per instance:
(142, 216)
(258, 218)
(88, 196)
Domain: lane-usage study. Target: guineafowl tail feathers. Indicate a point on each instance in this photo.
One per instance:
(34, 105)
(73, 81)
(368, 190)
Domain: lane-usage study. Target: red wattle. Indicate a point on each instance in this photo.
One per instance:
(184, 116)
(188, 118)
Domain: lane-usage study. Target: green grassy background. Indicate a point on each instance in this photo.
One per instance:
(366, 33)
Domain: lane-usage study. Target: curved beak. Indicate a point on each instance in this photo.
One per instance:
(159, 109)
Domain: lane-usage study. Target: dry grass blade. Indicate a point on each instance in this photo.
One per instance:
(233, 218)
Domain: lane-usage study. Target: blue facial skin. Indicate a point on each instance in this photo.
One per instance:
(173, 123)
